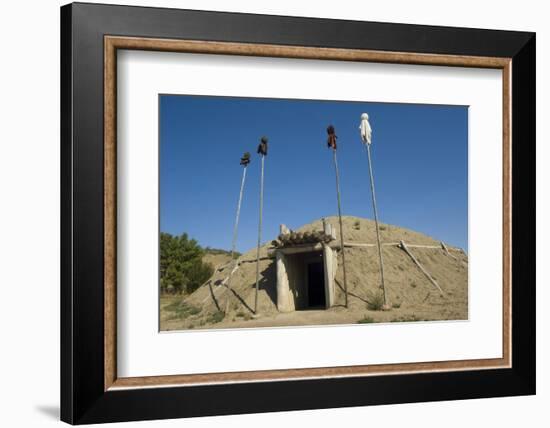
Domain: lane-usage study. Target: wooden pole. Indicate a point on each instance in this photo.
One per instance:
(383, 285)
(341, 227)
(259, 236)
(236, 227)
(403, 246)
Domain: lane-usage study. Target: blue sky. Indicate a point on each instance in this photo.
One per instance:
(420, 161)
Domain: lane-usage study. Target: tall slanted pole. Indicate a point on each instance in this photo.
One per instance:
(376, 224)
(262, 151)
(331, 142)
(245, 160)
(366, 133)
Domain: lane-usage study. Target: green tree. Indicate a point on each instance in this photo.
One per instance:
(181, 267)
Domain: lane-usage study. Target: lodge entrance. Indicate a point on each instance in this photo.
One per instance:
(316, 286)
(306, 268)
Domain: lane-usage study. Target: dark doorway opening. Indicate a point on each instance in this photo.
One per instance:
(316, 285)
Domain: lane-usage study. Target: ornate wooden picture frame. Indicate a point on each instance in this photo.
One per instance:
(91, 389)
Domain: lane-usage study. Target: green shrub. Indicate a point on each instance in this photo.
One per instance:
(375, 301)
(366, 320)
(181, 310)
(407, 318)
(216, 317)
(244, 315)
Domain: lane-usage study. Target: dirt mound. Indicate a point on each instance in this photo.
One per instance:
(216, 259)
(228, 300)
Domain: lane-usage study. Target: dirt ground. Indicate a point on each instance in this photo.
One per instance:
(411, 295)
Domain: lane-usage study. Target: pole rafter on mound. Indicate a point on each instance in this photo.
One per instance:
(398, 244)
(223, 286)
(446, 249)
(403, 246)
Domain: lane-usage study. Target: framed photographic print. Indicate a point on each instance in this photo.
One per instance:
(273, 213)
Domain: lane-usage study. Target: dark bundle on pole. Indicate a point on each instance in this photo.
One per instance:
(245, 160)
(262, 151)
(331, 140)
(331, 143)
(262, 147)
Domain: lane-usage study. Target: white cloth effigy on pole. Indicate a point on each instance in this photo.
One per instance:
(366, 130)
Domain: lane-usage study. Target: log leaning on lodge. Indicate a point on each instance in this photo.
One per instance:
(300, 238)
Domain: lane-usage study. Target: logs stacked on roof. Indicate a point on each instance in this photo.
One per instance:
(301, 238)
